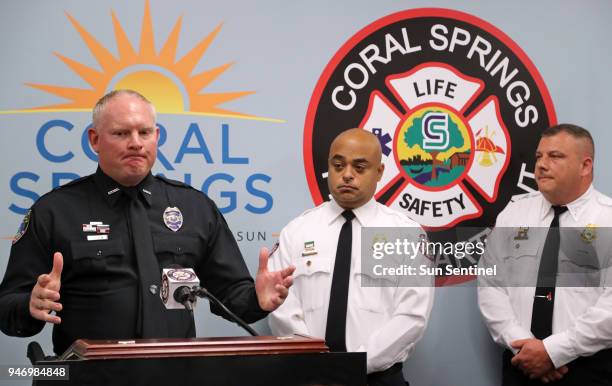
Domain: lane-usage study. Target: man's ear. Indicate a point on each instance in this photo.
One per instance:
(380, 170)
(94, 138)
(587, 166)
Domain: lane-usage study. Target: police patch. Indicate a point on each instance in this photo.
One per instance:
(23, 227)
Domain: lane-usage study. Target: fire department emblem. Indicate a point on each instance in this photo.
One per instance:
(456, 105)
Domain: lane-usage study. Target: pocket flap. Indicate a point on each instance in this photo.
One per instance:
(176, 244)
(308, 266)
(96, 249)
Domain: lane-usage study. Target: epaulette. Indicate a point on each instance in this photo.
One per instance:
(67, 184)
(73, 182)
(173, 182)
(604, 200)
(518, 197)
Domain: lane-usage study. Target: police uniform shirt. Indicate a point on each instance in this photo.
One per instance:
(386, 322)
(582, 316)
(100, 282)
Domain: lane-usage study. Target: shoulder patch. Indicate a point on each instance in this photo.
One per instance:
(173, 182)
(23, 227)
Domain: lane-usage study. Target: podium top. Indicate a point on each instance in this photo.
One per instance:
(86, 349)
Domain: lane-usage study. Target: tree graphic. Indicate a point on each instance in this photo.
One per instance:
(414, 139)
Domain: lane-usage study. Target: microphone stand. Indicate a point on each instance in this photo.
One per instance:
(203, 293)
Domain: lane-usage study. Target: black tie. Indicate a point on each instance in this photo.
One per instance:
(151, 319)
(544, 300)
(335, 332)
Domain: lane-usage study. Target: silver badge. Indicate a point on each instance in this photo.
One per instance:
(173, 218)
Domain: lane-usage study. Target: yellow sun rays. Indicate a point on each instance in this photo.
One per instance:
(166, 81)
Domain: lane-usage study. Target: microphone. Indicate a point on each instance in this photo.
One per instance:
(181, 289)
(176, 290)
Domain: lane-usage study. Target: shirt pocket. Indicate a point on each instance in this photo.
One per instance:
(183, 250)
(313, 278)
(369, 290)
(520, 263)
(91, 260)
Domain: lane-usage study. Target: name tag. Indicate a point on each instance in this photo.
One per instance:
(97, 237)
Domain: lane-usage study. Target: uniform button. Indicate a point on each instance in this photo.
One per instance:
(517, 246)
(308, 263)
(153, 289)
(99, 253)
(179, 249)
(298, 316)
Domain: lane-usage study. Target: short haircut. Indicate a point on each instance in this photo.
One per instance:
(573, 130)
(102, 102)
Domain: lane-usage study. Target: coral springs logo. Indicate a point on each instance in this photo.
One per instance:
(166, 81)
(201, 130)
(457, 107)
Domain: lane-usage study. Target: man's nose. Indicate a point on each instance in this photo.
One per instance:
(542, 163)
(135, 140)
(347, 173)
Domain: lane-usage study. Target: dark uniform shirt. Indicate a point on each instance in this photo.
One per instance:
(100, 288)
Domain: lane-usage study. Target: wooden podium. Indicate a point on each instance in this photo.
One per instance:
(237, 361)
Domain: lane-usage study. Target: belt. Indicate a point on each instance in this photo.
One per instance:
(391, 370)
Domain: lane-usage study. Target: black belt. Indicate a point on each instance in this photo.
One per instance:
(391, 370)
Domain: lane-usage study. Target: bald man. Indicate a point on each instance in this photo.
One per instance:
(553, 332)
(324, 242)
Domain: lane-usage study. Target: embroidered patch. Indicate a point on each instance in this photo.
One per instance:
(23, 227)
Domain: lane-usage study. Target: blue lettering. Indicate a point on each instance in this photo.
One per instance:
(163, 135)
(224, 194)
(259, 193)
(18, 190)
(226, 158)
(193, 131)
(40, 141)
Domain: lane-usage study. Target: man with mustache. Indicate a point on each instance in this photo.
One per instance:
(88, 255)
(554, 333)
(329, 298)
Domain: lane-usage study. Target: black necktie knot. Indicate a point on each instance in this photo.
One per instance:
(559, 210)
(348, 215)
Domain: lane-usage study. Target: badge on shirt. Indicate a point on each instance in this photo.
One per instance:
(522, 233)
(173, 218)
(589, 233)
(23, 227)
(309, 249)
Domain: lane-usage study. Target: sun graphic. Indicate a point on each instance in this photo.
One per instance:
(167, 82)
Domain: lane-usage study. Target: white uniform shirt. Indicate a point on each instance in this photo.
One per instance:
(385, 322)
(582, 316)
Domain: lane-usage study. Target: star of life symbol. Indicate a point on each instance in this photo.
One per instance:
(436, 145)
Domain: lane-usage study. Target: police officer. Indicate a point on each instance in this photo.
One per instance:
(553, 332)
(88, 255)
(329, 298)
